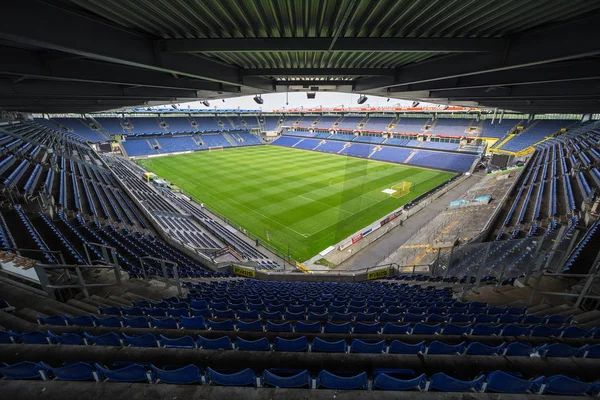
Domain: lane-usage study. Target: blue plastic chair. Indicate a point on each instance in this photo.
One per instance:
(533, 319)
(360, 346)
(485, 319)
(519, 349)
(543, 330)
(462, 317)
(298, 316)
(226, 325)
(560, 384)
(425, 329)
(575, 332)
(165, 323)
(198, 304)
(593, 351)
(222, 343)
(198, 323)
(77, 371)
(243, 378)
(23, 370)
(130, 373)
(317, 317)
(481, 349)
(384, 381)
(132, 311)
(317, 308)
(363, 328)
(136, 322)
(336, 316)
(331, 327)
(181, 376)
(252, 326)
(229, 313)
(558, 319)
(486, 330)
(184, 342)
(388, 317)
(325, 346)
(437, 347)
(308, 327)
(395, 329)
(107, 339)
(292, 345)
(398, 347)
(145, 340)
(502, 382)
(248, 314)
(516, 330)
(66, 338)
(109, 311)
(33, 337)
(561, 350)
(81, 320)
(445, 383)
(409, 317)
(203, 312)
(367, 317)
(299, 380)
(330, 381)
(294, 308)
(112, 322)
(452, 329)
(52, 320)
(261, 344)
(282, 327)
(275, 315)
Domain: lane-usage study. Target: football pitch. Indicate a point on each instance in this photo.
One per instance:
(294, 199)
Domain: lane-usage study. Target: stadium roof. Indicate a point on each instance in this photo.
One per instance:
(88, 55)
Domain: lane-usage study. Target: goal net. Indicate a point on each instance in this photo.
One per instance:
(401, 189)
(215, 148)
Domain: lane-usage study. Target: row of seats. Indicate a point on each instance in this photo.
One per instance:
(386, 379)
(302, 344)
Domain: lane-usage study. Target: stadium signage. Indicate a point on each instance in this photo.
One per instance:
(382, 273)
(357, 238)
(248, 273)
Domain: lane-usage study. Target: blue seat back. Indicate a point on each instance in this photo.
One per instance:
(384, 381)
(445, 383)
(481, 349)
(518, 349)
(52, 320)
(248, 314)
(193, 322)
(298, 344)
(395, 329)
(363, 328)
(77, 371)
(112, 322)
(425, 329)
(502, 382)
(330, 381)
(21, 370)
(165, 323)
(331, 327)
(243, 378)
(359, 346)
(188, 374)
(129, 373)
(486, 330)
(560, 384)
(107, 339)
(81, 320)
(145, 340)
(452, 329)
(253, 326)
(398, 347)
(184, 342)
(305, 327)
(34, 337)
(222, 343)
(66, 338)
(261, 344)
(136, 322)
(320, 345)
(282, 327)
(516, 330)
(299, 380)
(437, 347)
(226, 325)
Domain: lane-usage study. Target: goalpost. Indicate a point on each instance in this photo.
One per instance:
(215, 148)
(401, 189)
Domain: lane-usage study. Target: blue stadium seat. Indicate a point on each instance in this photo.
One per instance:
(145, 340)
(52, 320)
(243, 378)
(291, 316)
(560, 384)
(593, 351)
(193, 323)
(331, 327)
(185, 375)
(226, 325)
(426, 329)
(198, 304)
(575, 332)
(300, 380)
(184, 342)
(462, 317)
(367, 317)
(202, 312)
(229, 313)
(452, 329)
(156, 312)
(250, 314)
(558, 319)
(510, 319)
(385, 317)
(409, 317)
(109, 310)
(81, 320)
(373, 328)
(330, 381)
(561, 350)
(66, 338)
(516, 330)
(445, 383)
(519, 349)
(502, 382)
(136, 322)
(324, 346)
(543, 330)
(253, 326)
(485, 319)
(318, 317)
(77, 371)
(275, 315)
(384, 381)
(178, 312)
(22, 370)
(305, 327)
(129, 373)
(317, 308)
(222, 343)
(112, 322)
(437, 318)
(275, 327)
(107, 339)
(481, 349)
(360, 346)
(164, 323)
(341, 316)
(261, 344)
(34, 337)
(398, 347)
(486, 330)
(437, 347)
(132, 311)
(5, 337)
(533, 319)
(295, 345)
(294, 308)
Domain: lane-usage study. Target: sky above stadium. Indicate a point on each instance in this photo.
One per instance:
(296, 100)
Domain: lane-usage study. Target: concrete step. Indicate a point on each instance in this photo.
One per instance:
(133, 296)
(587, 316)
(83, 306)
(21, 298)
(104, 300)
(96, 303)
(592, 324)
(118, 299)
(553, 310)
(572, 311)
(537, 308)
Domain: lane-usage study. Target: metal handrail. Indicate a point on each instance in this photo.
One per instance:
(163, 264)
(41, 271)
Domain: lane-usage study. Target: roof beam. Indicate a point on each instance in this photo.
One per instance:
(390, 44)
(552, 73)
(38, 65)
(557, 43)
(42, 25)
(312, 72)
(564, 90)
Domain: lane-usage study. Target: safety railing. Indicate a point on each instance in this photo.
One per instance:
(51, 282)
(165, 272)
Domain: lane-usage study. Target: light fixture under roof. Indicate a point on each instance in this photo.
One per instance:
(258, 99)
(205, 103)
(415, 103)
(361, 99)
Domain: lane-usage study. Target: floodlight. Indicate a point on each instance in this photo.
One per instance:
(362, 99)
(258, 99)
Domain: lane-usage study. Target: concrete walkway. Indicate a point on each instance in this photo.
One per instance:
(384, 246)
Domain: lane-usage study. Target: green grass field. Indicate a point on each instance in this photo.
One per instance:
(305, 200)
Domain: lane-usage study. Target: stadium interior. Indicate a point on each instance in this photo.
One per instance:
(444, 249)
